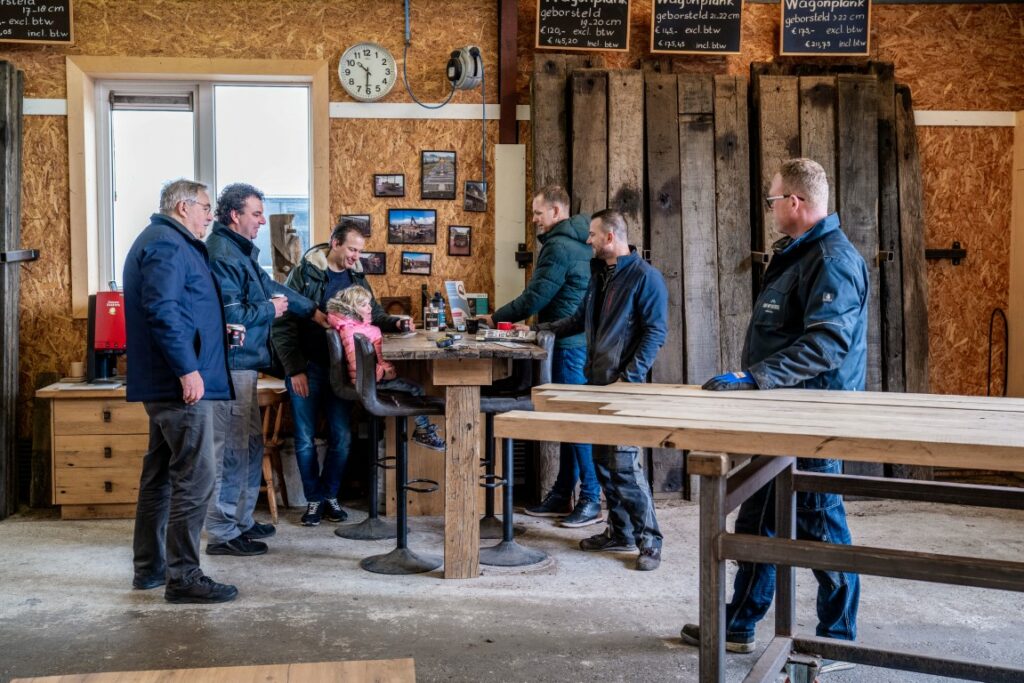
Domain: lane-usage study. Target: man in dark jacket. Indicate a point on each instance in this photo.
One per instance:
(624, 315)
(178, 369)
(808, 330)
(251, 299)
(301, 344)
(555, 290)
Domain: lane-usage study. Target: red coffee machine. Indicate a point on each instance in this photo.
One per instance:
(106, 335)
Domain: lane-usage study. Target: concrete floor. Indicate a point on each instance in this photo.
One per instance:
(66, 604)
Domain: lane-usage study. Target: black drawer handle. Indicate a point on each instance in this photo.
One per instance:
(108, 452)
(108, 486)
(106, 415)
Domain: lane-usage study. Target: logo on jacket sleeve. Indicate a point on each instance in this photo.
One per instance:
(827, 297)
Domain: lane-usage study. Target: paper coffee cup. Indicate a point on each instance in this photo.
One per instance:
(77, 368)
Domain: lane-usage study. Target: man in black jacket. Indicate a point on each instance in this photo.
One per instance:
(624, 315)
(252, 299)
(301, 343)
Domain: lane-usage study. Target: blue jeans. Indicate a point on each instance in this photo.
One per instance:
(317, 483)
(819, 517)
(575, 459)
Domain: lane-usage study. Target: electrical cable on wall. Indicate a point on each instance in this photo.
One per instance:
(405, 60)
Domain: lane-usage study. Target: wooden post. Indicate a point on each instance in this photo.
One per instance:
(666, 255)
(732, 192)
(508, 28)
(548, 121)
(779, 134)
(11, 87)
(915, 281)
(700, 243)
(818, 127)
(626, 150)
(589, 140)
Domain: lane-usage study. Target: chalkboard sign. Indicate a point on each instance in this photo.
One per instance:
(583, 25)
(696, 26)
(825, 27)
(35, 21)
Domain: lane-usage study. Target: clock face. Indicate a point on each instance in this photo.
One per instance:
(367, 71)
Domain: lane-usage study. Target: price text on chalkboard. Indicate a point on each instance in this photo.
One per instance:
(583, 24)
(825, 27)
(35, 21)
(696, 26)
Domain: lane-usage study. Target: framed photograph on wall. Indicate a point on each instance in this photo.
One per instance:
(412, 226)
(374, 262)
(476, 196)
(437, 175)
(459, 240)
(388, 185)
(360, 220)
(416, 262)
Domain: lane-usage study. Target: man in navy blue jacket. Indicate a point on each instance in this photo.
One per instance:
(252, 299)
(624, 315)
(178, 368)
(808, 330)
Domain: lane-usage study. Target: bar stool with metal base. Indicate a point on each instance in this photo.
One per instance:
(508, 553)
(401, 406)
(373, 528)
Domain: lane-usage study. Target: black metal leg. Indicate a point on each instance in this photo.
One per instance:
(490, 526)
(508, 553)
(401, 560)
(373, 528)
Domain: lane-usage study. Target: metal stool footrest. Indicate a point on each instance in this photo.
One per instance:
(383, 463)
(432, 486)
(492, 481)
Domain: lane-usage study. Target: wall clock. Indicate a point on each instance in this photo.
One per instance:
(367, 71)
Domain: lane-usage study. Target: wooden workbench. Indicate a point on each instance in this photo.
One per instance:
(461, 372)
(741, 440)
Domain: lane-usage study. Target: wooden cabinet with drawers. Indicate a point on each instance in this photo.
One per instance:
(98, 442)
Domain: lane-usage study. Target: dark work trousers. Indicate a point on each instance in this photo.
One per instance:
(174, 490)
(630, 504)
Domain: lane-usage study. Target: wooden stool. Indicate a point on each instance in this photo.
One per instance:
(273, 404)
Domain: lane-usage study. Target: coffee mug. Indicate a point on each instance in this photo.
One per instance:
(505, 326)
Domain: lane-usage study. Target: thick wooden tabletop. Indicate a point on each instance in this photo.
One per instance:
(422, 346)
(913, 429)
(79, 389)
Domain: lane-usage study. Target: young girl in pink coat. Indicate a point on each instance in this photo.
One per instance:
(349, 312)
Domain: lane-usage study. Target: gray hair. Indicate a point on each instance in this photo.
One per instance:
(612, 221)
(805, 177)
(233, 198)
(176, 191)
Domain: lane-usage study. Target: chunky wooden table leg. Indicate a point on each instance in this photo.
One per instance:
(712, 468)
(462, 380)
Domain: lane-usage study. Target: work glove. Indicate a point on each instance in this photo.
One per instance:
(730, 381)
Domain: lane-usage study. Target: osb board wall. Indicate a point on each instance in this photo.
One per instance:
(393, 146)
(311, 29)
(967, 187)
(954, 57)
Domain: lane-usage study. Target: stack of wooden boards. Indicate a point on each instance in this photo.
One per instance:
(688, 158)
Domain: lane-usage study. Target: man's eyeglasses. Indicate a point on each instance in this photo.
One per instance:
(770, 201)
(206, 207)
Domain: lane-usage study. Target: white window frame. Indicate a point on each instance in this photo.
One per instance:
(83, 74)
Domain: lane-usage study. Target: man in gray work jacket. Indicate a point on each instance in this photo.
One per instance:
(253, 299)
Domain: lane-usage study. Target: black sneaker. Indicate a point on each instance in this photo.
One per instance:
(239, 547)
(429, 438)
(604, 541)
(144, 583)
(691, 636)
(258, 530)
(587, 512)
(202, 590)
(333, 511)
(553, 505)
(312, 516)
(649, 559)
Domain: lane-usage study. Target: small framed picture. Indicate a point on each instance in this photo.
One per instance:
(437, 177)
(476, 196)
(374, 262)
(416, 262)
(459, 240)
(388, 185)
(412, 226)
(360, 220)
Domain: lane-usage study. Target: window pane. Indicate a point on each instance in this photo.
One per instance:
(143, 161)
(262, 135)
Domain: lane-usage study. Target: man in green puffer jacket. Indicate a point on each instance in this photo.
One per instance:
(559, 282)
